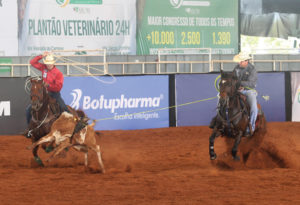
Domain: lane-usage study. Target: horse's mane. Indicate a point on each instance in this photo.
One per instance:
(228, 75)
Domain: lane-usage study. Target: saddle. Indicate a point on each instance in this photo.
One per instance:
(244, 99)
(244, 103)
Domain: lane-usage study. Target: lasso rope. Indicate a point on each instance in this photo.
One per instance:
(87, 72)
(114, 80)
(216, 83)
(265, 97)
(27, 82)
(159, 109)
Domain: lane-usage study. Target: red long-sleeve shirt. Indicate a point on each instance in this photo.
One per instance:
(53, 77)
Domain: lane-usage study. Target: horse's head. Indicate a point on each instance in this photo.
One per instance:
(227, 85)
(38, 93)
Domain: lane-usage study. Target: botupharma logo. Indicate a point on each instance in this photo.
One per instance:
(112, 104)
(4, 108)
(64, 3)
(76, 93)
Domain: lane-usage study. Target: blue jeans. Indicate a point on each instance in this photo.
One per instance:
(60, 101)
(28, 114)
(251, 99)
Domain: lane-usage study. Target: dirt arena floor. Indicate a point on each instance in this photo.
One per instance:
(158, 166)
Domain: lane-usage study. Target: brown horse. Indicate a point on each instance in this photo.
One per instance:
(45, 110)
(233, 113)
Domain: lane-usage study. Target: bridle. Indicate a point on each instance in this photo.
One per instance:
(228, 93)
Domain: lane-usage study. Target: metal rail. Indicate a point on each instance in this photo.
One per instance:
(214, 66)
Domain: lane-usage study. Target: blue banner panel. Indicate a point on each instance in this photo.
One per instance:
(129, 102)
(271, 95)
(197, 89)
(196, 104)
(13, 103)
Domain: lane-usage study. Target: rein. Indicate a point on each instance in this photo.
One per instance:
(226, 120)
(42, 122)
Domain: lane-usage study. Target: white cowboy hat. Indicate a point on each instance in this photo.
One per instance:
(49, 59)
(241, 57)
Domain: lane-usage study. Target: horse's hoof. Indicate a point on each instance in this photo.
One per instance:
(236, 158)
(213, 157)
(39, 161)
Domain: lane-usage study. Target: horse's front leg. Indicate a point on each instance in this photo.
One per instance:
(47, 138)
(212, 138)
(235, 147)
(36, 157)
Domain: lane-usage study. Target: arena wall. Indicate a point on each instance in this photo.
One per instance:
(140, 102)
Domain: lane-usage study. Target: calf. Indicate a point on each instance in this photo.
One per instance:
(62, 134)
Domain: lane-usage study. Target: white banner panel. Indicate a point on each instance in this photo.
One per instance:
(295, 80)
(9, 28)
(78, 24)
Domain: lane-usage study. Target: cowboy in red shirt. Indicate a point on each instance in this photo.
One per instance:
(53, 79)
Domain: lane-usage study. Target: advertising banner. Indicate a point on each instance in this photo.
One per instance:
(13, 103)
(9, 28)
(188, 24)
(196, 95)
(295, 85)
(5, 69)
(129, 102)
(78, 24)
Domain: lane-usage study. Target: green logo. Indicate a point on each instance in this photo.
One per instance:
(191, 3)
(298, 97)
(176, 3)
(64, 3)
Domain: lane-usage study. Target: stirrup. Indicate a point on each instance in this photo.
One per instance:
(27, 133)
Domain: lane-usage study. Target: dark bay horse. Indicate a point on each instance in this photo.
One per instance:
(45, 110)
(232, 117)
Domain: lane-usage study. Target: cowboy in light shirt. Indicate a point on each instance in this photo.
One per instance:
(247, 76)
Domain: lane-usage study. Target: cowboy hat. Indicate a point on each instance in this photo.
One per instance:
(49, 59)
(241, 57)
